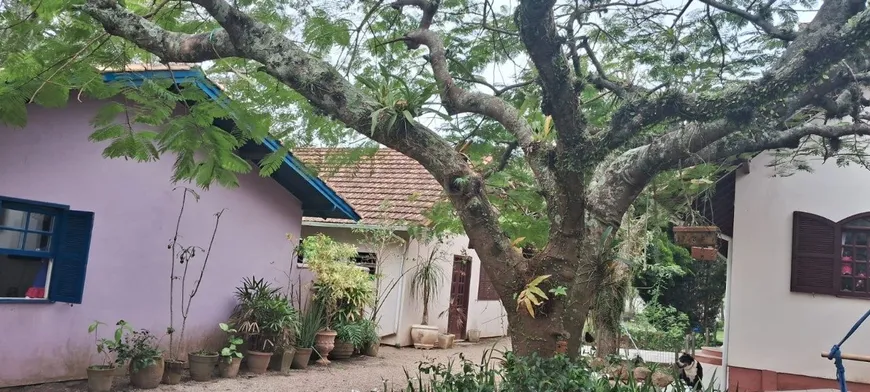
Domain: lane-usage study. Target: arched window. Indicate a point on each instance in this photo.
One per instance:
(831, 257)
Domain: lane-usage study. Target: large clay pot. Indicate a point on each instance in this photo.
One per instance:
(100, 378)
(424, 336)
(229, 369)
(202, 365)
(301, 358)
(282, 360)
(148, 377)
(172, 372)
(324, 342)
(342, 350)
(258, 361)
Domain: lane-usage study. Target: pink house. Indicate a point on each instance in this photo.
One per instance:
(84, 238)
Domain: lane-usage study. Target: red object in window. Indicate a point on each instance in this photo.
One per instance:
(35, 292)
(847, 269)
(847, 259)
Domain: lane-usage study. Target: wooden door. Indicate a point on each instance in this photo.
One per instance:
(460, 285)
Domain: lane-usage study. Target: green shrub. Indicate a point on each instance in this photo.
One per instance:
(512, 373)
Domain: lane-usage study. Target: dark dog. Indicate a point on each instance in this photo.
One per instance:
(691, 371)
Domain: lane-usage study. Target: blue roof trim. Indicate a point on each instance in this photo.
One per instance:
(198, 78)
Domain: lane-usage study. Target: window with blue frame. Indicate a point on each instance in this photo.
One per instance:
(43, 251)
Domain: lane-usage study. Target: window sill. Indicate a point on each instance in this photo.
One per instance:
(25, 301)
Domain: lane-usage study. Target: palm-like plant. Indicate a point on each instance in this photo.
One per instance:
(426, 281)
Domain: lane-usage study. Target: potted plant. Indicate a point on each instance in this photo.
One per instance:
(100, 377)
(340, 286)
(202, 364)
(306, 331)
(425, 284)
(263, 316)
(348, 336)
(371, 341)
(231, 357)
(183, 257)
(146, 359)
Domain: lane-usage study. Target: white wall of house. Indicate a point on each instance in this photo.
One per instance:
(771, 328)
(400, 309)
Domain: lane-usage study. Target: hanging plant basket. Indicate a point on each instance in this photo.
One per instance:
(704, 254)
(703, 236)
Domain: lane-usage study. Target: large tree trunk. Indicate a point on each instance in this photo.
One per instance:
(609, 304)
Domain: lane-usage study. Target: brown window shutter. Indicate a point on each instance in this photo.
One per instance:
(485, 289)
(814, 247)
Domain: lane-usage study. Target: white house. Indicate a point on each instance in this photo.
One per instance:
(798, 253)
(391, 191)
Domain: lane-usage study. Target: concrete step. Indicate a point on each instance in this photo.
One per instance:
(708, 359)
(712, 351)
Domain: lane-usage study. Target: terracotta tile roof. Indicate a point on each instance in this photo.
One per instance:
(385, 188)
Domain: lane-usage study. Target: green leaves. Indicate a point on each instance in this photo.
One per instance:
(322, 33)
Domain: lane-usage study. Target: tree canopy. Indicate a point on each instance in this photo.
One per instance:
(544, 120)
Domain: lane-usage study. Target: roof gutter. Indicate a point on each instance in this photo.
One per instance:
(354, 226)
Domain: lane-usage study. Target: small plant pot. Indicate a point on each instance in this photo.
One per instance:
(202, 365)
(473, 335)
(424, 336)
(172, 372)
(282, 360)
(702, 236)
(445, 340)
(100, 378)
(704, 254)
(148, 377)
(373, 348)
(258, 362)
(301, 358)
(342, 350)
(229, 369)
(324, 342)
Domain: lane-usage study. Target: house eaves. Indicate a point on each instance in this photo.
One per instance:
(318, 199)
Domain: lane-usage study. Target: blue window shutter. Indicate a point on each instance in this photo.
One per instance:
(71, 261)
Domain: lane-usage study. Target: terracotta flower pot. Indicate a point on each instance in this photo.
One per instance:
(100, 378)
(229, 369)
(445, 340)
(282, 360)
(324, 342)
(473, 335)
(202, 365)
(373, 348)
(424, 336)
(301, 358)
(258, 362)
(703, 236)
(148, 377)
(704, 254)
(172, 371)
(342, 350)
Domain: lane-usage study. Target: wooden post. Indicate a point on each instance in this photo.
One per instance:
(851, 357)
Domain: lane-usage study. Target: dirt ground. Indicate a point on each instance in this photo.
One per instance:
(358, 374)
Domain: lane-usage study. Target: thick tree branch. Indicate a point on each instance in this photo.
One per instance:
(537, 27)
(429, 7)
(826, 41)
(742, 143)
(169, 46)
(762, 23)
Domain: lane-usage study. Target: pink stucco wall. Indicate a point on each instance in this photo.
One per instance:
(128, 271)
